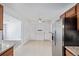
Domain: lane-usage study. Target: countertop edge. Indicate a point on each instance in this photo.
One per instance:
(71, 51)
(6, 50)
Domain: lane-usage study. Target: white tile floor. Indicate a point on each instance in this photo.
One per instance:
(35, 48)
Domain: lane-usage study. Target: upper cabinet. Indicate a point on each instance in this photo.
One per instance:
(71, 18)
(77, 8)
(71, 12)
(78, 17)
(1, 17)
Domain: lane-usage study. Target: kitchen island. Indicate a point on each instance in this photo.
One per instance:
(71, 50)
(6, 49)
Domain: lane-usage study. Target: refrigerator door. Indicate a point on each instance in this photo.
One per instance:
(57, 38)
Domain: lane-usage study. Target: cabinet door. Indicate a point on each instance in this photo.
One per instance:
(1, 17)
(77, 22)
(71, 12)
(77, 8)
(9, 52)
(68, 53)
(77, 17)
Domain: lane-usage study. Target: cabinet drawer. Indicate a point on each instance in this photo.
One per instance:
(71, 12)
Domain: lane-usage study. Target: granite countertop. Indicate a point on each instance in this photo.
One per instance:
(4, 47)
(73, 49)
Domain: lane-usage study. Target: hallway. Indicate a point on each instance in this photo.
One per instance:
(35, 48)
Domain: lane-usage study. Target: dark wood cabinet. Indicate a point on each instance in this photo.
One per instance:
(77, 6)
(1, 17)
(71, 23)
(71, 18)
(68, 53)
(8, 52)
(77, 22)
(71, 12)
(77, 16)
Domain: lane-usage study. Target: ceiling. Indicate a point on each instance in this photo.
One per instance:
(33, 11)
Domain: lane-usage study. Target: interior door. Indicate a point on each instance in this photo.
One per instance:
(57, 41)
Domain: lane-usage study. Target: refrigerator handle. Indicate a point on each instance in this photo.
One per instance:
(54, 37)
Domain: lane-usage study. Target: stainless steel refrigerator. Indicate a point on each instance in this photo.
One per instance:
(57, 38)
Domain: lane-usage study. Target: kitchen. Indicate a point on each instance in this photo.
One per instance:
(45, 25)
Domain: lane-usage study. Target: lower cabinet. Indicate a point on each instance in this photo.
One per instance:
(68, 53)
(8, 52)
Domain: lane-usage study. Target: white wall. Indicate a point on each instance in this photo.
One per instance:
(12, 28)
(29, 31)
(40, 35)
(25, 31)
